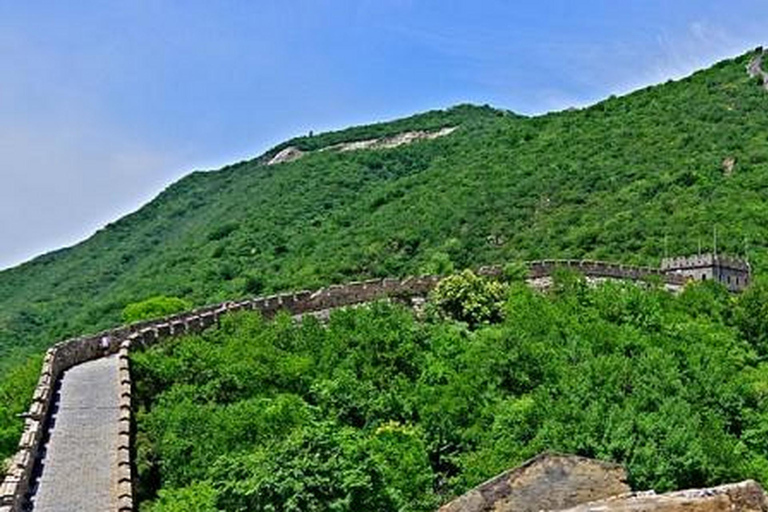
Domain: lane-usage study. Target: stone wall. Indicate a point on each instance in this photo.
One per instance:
(704, 260)
(124, 483)
(66, 354)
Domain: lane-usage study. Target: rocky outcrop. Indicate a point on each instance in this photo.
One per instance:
(569, 483)
(547, 482)
(292, 153)
(288, 154)
(393, 141)
(747, 496)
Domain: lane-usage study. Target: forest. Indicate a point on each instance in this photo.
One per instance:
(385, 408)
(628, 179)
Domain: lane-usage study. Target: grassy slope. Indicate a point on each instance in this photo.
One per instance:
(611, 181)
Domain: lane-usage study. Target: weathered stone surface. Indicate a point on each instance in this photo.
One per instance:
(79, 467)
(574, 484)
(745, 496)
(546, 482)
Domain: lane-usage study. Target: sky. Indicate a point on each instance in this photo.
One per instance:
(104, 104)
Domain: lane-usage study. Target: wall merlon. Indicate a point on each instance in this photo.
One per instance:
(125, 504)
(163, 330)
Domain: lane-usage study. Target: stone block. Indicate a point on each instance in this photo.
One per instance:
(22, 460)
(124, 427)
(123, 474)
(27, 439)
(123, 458)
(125, 390)
(9, 490)
(125, 504)
(45, 380)
(745, 496)
(178, 328)
(546, 482)
(163, 330)
(194, 323)
(124, 489)
(47, 369)
(148, 335)
(38, 409)
(207, 320)
(42, 394)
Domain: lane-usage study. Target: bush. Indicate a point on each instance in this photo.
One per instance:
(469, 298)
(378, 411)
(155, 307)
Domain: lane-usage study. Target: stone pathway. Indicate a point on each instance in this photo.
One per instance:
(80, 456)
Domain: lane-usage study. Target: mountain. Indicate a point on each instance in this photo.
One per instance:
(626, 179)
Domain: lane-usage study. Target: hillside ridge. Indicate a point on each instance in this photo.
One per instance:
(629, 179)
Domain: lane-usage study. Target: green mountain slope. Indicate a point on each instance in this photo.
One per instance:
(612, 181)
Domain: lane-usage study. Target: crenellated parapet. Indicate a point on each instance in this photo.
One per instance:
(705, 260)
(733, 272)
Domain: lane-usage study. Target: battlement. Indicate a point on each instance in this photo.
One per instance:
(734, 273)
(704, 260)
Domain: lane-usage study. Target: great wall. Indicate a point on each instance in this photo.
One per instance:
(63, 465)
(755, 68)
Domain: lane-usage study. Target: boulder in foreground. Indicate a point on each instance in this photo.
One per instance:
(577, 484)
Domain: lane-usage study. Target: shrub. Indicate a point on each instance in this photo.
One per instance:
(469, 298)
(154, 307)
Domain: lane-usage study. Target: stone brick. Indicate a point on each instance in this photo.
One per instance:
(124, 489)
(125, 504)
(125, 390)
(123, 474)
(123, 457)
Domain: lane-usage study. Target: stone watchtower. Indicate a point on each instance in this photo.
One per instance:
(733, 273)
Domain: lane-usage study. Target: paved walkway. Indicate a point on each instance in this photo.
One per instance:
(77, 467)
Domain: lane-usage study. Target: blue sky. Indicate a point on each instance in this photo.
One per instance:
(103, 104)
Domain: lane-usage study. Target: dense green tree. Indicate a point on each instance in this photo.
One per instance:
(154, 307)
(469, 298)
(381, 411)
